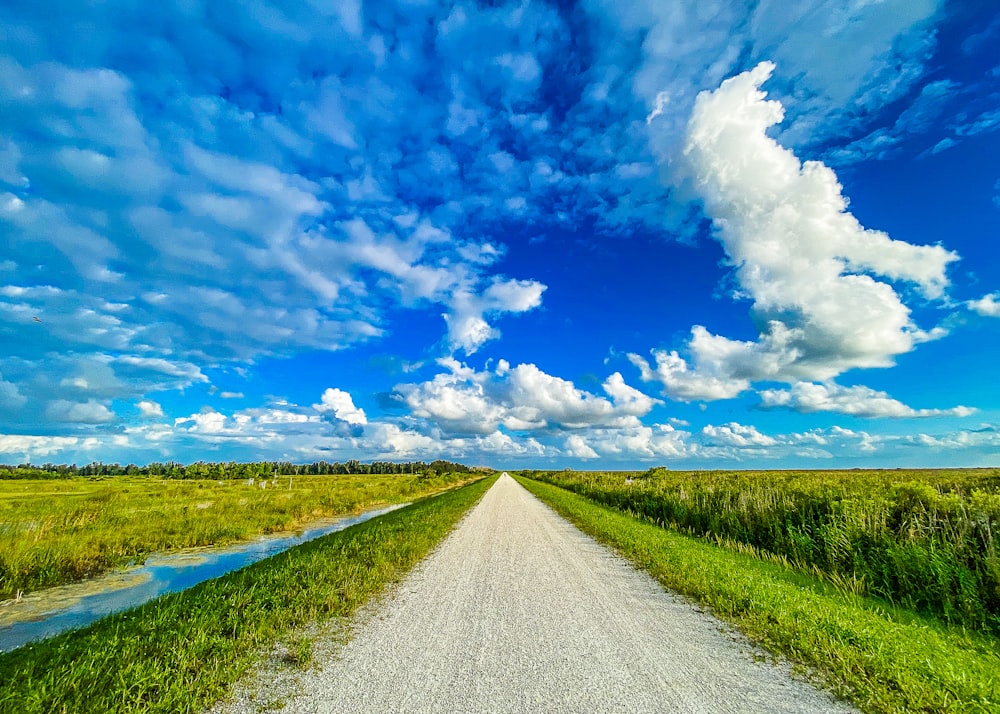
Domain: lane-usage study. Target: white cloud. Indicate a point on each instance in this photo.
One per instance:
(988, 305)
(521, 398)
(468, 329)
(186, 372)
(709, 382)
(340, 404)
(915, 120)
(459, 401)
(36, 447)
(576, 446)
(10, 395)
(628, 400)
(803, 260)
(808, 397)
(150, 409)
(89, 412)
(393, 441)
(986, 437)
(643, 442)
(540, 397)
(845, 61)
(206, 422)
(738, 435)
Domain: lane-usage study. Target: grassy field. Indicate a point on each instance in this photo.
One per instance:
(181, 652)
(923, 540)
(885, 659)
(55, 531)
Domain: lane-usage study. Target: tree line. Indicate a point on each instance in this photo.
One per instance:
(230, 469)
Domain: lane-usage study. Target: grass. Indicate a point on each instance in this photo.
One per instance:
(57, 531)
(885, 659)
(926, 540)
(181, 652)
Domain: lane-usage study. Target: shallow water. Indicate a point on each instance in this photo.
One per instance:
(48, 612)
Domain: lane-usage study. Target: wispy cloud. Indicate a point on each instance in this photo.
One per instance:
(808, 398)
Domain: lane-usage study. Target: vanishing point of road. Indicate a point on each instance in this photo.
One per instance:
(518, 611)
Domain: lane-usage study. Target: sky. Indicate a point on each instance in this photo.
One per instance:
(591, 235)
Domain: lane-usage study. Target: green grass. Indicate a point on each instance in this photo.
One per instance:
(926, 540)
(181, 652)
(884, 659)
(57, 531)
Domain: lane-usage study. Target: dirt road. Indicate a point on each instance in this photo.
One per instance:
(518, 611)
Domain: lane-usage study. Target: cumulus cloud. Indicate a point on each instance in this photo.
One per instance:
(89, 412)
(207, 422)
(576, 446)
(988, 305)
(808, 397)
(738, 435)
(38, 447)
(150, 409)
(520, 398)
(340, 404)
(806, 264)
(659, 441)
(468, 328)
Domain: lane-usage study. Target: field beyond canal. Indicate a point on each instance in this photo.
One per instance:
(58, 530)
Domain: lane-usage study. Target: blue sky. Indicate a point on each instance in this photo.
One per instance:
(590, 235)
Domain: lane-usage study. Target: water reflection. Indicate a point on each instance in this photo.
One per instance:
(53, 610)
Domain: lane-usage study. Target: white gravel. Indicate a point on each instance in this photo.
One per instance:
(518, 611)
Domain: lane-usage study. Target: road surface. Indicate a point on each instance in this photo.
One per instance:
(518, 611)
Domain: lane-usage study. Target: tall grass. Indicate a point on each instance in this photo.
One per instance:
(181, 652)
(58, 531)
(924, 540)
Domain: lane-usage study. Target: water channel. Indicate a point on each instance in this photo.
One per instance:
(53, 610)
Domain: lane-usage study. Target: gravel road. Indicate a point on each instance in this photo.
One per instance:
(518, 611)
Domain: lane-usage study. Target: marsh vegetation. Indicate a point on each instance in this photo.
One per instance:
(924, 540)
(57, 530)
(885, 659)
